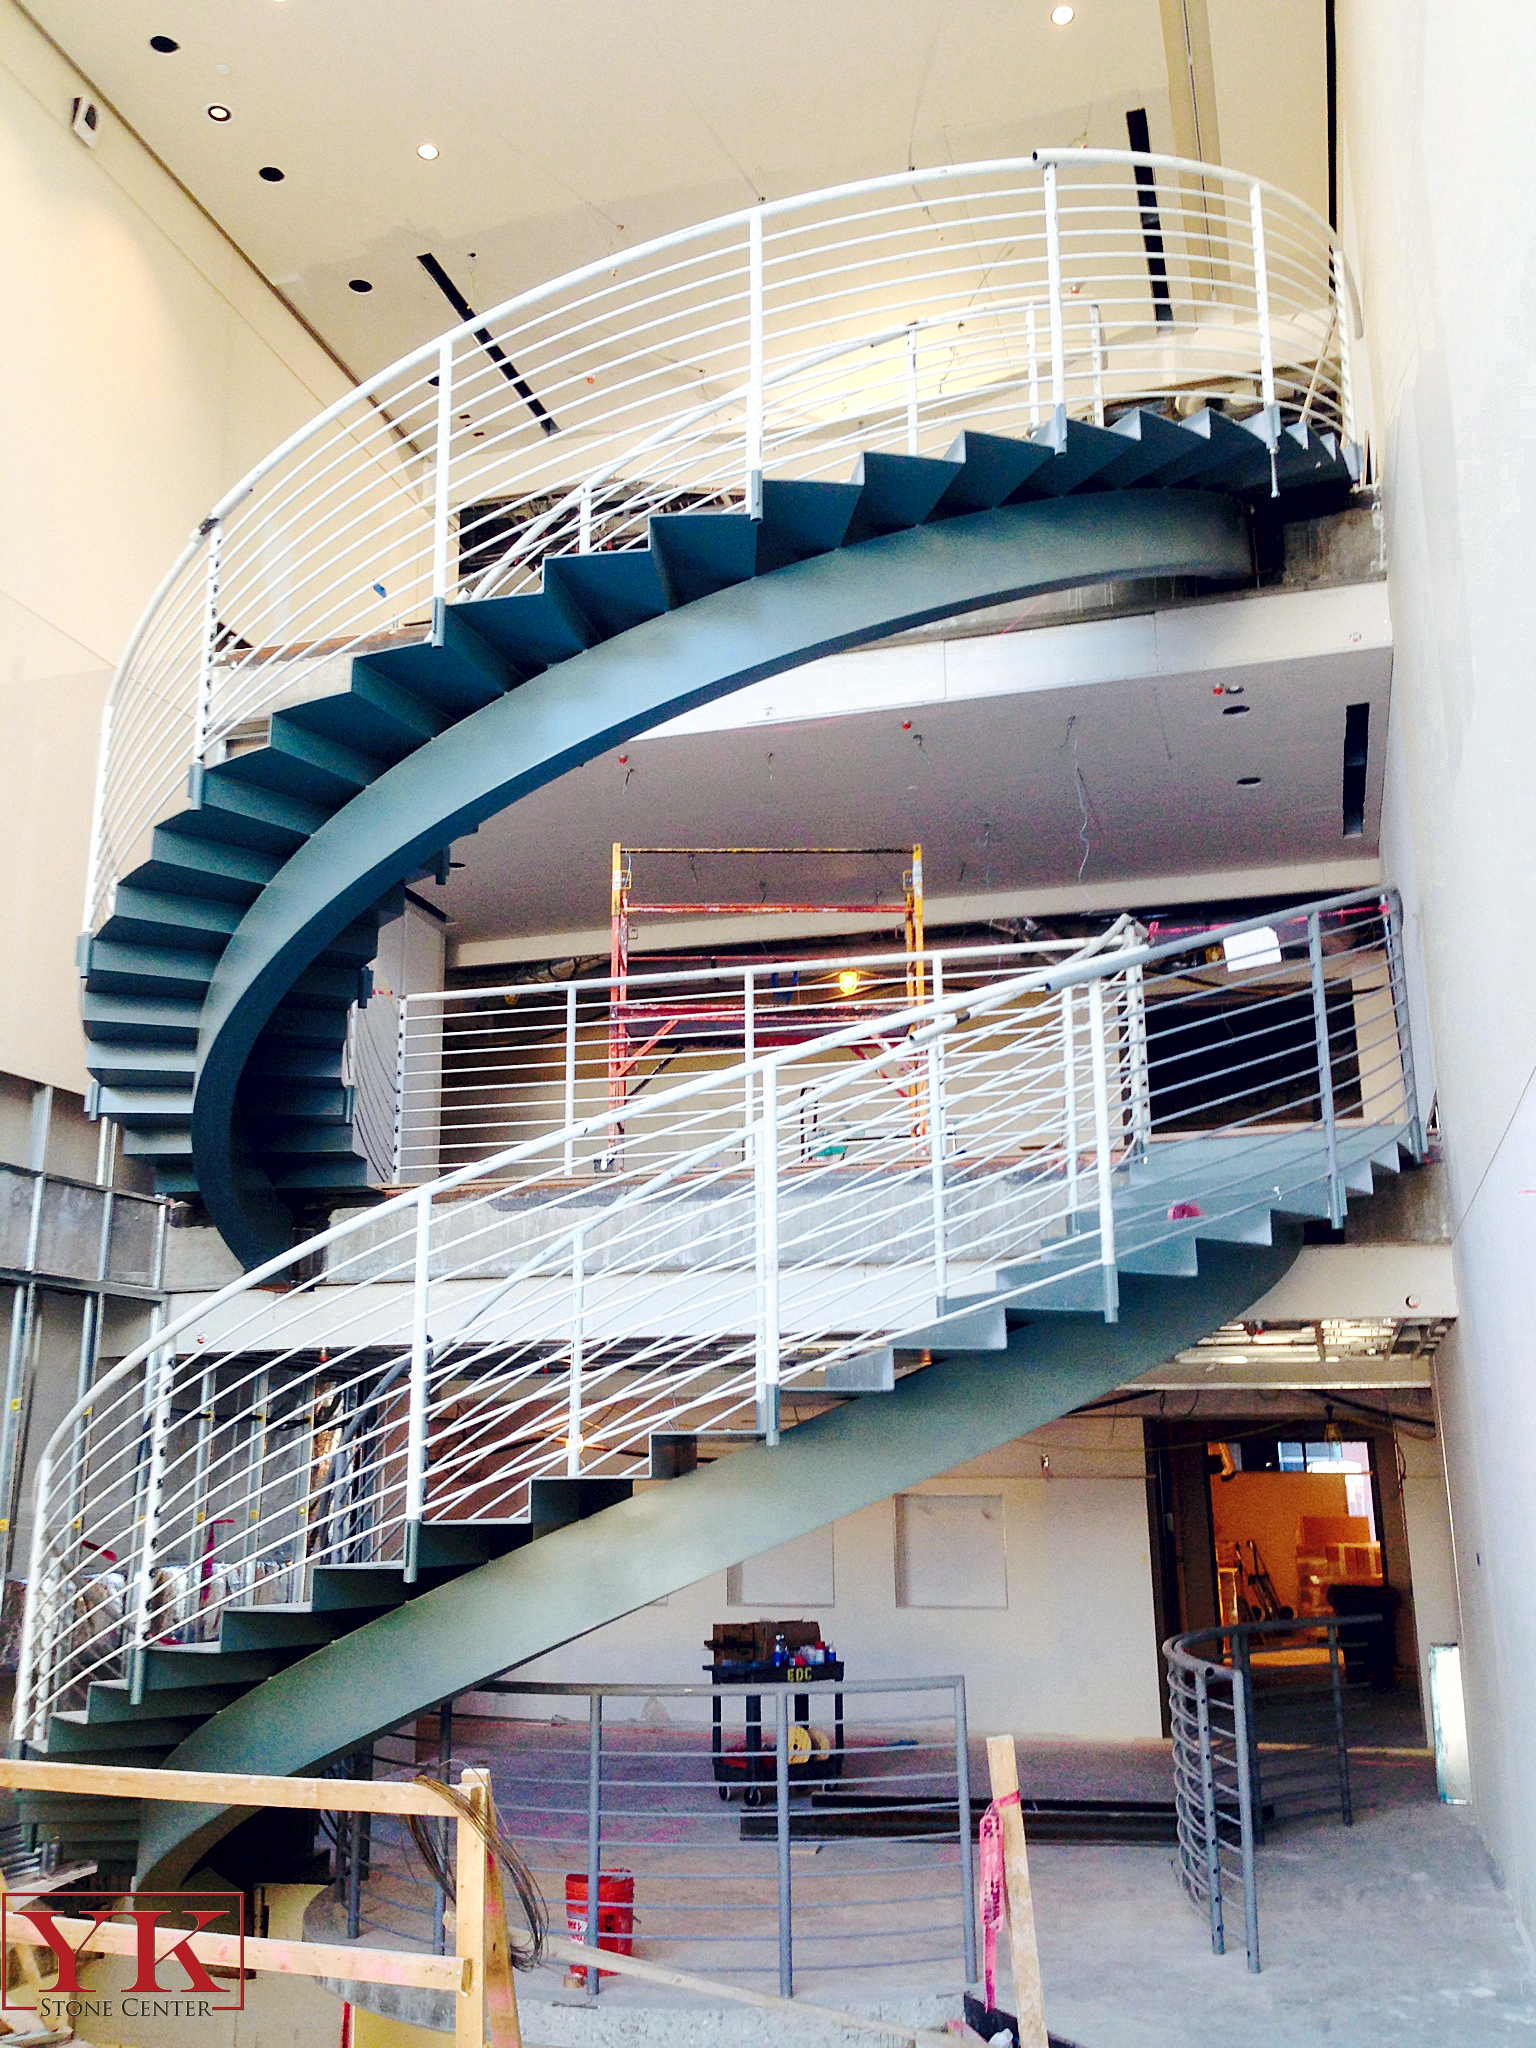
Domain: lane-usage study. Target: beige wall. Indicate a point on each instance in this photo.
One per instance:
(148, 366)
(1439, 206)
(1073, 1653)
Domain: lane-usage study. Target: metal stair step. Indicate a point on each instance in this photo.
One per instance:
(347, 1587)
(968, 1326)
(555, 1503)
(156, 917)
(801, 520)
(170, 1666)
(615, 591)
(463, 1545)
(109, 1701)
(284, 1627)
(72, 1733)
(699, 553)
(343, 1175)
(230, 807)
(895, 492)
(141, 1066)
(146, 1108)
(533, 631)
(120, 1020)
(177, 972)
(186, 863)
(1153, 446)
(870, 1372)
(990, 470)
(1079, 454)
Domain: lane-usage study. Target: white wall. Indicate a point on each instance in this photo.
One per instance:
(1441, 208)
(1074, 1652)
(147, 367)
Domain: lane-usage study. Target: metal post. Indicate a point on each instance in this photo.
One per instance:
(1141, 1068)
(256, 1466)
(594, 1824)
(781, 1803)
(202, 1458)
(1053, 285)
(1210, 1813)
(967, 1847)
(421, 1365)
(1246, 1813)
(1104, 1158)
(1341, 1740)
(1242, 1681)
(439, 1891)
(23, 1316)
(441, 469)
(573, 1412)
(1397, 973)
(1069, 1086)
(570, 1076)
(753, 454)
(162, 1371)
(1325, 1072)
(1096, 338)
(748, 1052)
(202, 736)
(937, 1140)
(1031, 343)
(911, 390)
(584, 519)
(402, 1025)
(1261, 296)
(766, 1186)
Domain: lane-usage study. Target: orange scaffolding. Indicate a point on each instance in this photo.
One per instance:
(640, 1026)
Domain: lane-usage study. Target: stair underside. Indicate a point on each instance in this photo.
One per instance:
(238, 1096)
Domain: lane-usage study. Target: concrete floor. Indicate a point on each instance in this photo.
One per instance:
(1390, 1934)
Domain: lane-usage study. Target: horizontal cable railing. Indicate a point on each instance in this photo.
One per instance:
(1257, 1739)
(782, 340)
(437, 1357)
(645, 1813)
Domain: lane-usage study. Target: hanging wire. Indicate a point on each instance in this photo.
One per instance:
(524, 1954)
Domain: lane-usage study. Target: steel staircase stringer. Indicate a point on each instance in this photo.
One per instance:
(604, 695)
(669, 1536)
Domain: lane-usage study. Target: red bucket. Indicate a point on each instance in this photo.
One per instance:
(615, 1915)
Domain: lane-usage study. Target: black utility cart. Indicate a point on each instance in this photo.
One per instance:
(743, 1653)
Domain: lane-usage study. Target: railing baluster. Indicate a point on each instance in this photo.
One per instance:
(1053, 286)
(202, 737)
(442, 464)
(1261, 296)
(937, 1140)
(421, 1365)
(573, 1405)
(781, 1834)
(911, 390)
(1103, 1151)
(765, 1181)
(162, 1376)
(1324, 1046)
(594, 1827)
(570, 1078)
(752, 484)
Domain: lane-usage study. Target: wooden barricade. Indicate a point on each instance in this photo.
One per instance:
(477, 1974)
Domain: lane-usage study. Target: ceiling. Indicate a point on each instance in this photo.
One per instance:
(567, 129)
(990, 785)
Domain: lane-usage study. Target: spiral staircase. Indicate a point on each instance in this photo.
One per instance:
(336, 746)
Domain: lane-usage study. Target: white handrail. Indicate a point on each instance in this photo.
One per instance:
(345, 533)
(432, 1357)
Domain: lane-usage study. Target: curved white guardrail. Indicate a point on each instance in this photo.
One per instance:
(784, 339)
(428, 1359)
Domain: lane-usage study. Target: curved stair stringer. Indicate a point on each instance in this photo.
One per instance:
(670, 1536)
(607, 694)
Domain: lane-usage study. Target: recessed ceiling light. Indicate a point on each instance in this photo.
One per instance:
(164, 44)
(1062, 15)
(427, 151)
(358, 284)
(1234, 710)
(271, 173)
(217, 112)
(1249, 781)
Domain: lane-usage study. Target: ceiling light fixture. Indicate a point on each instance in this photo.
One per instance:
(164, 44)
(218, 113)
(427, 151)
(358, 284)
(1062, 15)
(1249, 781)
(271, 173)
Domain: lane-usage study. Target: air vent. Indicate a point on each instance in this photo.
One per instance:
(1357, 749)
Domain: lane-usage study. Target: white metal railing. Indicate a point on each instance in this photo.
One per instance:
(429, 1359)
(784, 340)
(475, 1070)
